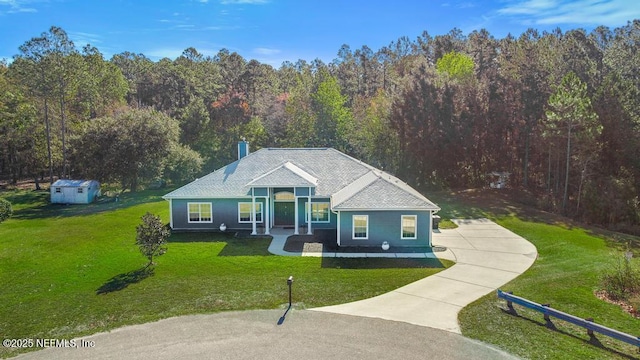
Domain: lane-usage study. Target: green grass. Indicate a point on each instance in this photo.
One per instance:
(566, 274)
(68, 271)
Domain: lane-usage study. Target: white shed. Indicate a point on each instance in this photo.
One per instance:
(74, 191)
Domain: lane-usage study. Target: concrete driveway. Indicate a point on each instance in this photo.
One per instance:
(487, 256)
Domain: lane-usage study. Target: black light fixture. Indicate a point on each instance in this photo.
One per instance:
(290, 282)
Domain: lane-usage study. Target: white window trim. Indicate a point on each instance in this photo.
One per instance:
(306, 213)
(258, 212)
(415, 227)
(200, 213)
(80, 190)
(58, 190)
(353, 227)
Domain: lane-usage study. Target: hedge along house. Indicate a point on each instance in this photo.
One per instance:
(303, 190)
(66, 191)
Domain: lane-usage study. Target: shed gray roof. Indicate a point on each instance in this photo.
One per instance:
(350, 183)
(74, 183)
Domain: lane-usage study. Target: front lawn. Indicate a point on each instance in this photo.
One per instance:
(68, 271)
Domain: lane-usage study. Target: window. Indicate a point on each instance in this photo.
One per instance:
(200, 213)
(284, 196)
(409, 227)
(361, 227)
(80, 190)
(319, 212)
(58, 190)
(244, 212)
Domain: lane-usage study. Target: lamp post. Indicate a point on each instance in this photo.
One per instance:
(290, 282)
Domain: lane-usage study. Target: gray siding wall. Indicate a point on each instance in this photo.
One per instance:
(224, 211)
(385, 226)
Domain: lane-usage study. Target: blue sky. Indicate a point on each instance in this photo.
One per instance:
(273, 31)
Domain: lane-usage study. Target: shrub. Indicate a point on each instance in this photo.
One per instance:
(634, 301)
(622, 281)
(5, 210)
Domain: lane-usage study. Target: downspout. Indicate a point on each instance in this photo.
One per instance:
(338, 225)
(171, 213)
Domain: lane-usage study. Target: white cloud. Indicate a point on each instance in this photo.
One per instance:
(250, 2)
(266, 51)
(460, 4)
(175, 52)
(575, 12)
(216, 28)
(80, 39)
(157, 54)
(17, 6)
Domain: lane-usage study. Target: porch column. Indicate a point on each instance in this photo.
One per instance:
(309, 213)
(295, 213)
(265, 216)
(253, 213)
(338, 223)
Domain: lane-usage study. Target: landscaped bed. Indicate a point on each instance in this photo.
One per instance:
(69, 271)
(324, 240)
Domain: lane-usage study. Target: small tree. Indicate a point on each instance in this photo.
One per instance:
(5, 210)
(152, 237)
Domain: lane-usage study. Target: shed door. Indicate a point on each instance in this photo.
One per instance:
(69, 195)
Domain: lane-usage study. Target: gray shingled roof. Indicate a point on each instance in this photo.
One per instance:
(380, 191)
(350, 183)
(284, 175)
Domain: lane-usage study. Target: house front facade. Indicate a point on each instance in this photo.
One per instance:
(303, 190)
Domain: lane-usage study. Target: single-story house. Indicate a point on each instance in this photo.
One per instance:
(303, 190)
(66, 191)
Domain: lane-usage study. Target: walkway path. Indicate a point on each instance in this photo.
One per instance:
(487, 256)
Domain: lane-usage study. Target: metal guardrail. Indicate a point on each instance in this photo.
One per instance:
(585, 323)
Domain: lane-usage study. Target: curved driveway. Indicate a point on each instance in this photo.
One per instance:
(487, 256)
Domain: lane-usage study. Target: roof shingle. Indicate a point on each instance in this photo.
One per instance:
(350, 183)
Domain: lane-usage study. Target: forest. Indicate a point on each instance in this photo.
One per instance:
(559, 111)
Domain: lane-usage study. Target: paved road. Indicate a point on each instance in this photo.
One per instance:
(487, 256)
(304, 334)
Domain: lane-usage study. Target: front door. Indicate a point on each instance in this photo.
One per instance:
(284, 213)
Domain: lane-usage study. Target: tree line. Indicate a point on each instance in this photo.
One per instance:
(558, 110)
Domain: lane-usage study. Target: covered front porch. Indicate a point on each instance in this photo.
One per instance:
(287, 193)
